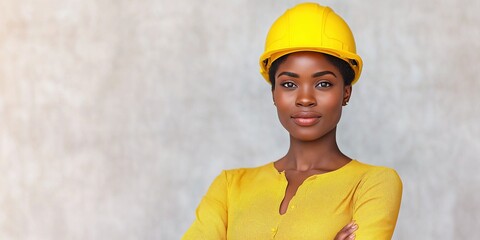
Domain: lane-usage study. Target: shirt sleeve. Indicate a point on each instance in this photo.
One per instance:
(377, 204)
(211, 214)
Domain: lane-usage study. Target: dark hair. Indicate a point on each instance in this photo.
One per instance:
(343, 67)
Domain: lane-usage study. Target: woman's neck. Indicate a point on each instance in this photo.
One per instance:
(322, 154)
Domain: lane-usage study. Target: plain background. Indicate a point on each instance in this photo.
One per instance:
(116, 115)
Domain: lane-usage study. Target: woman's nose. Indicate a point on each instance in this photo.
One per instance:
(305, 98)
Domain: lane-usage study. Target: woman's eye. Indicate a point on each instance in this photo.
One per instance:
(289, 85)
(323, 84)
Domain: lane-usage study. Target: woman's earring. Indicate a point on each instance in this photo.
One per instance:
(345, 104)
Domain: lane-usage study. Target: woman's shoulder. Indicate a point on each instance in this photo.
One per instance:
(375, 173)
(370, 168)
(362, 166)
(251, 172)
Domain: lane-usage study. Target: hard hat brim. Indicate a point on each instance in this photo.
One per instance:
(354, 60)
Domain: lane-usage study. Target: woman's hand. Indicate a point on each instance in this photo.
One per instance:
(347, 232)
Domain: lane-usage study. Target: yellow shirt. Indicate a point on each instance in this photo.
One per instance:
(244, 204)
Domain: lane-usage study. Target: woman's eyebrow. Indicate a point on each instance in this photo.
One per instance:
(290, 74)
(319, 74)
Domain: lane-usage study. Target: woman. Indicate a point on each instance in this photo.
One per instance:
(314, 191)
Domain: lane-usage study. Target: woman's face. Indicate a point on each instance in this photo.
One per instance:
(309, 94)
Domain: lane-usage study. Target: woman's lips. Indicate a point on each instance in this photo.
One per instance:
(306, 119)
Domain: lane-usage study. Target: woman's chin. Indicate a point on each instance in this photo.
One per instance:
(310, 134)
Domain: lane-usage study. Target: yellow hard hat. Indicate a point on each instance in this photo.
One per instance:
(310, 27)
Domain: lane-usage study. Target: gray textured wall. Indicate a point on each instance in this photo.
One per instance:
(116, 115)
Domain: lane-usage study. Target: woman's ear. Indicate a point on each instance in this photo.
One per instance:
(273, 98)
(347, 92)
